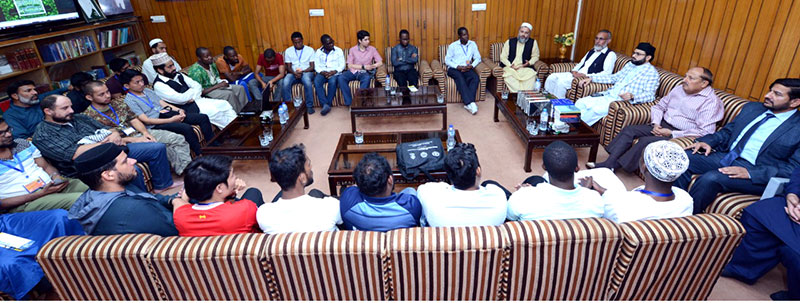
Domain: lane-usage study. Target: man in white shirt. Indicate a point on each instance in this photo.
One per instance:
(467, 202)
(598, 61)
(560, 198)
(185, 93)
(294, 210)
(329, 63)
(462, 57)
(300, 67)
(157, 46)
(662, 163)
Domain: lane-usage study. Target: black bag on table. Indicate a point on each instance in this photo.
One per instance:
(421, 156)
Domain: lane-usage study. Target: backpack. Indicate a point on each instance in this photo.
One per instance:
(421, 156)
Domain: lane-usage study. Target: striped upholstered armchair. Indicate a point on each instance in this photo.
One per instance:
(496, 83)
(673, 259)
(299, 90)
(448, 86)
(572, 93)
(422, 67)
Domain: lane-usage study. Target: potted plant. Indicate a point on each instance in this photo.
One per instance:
(564, 40)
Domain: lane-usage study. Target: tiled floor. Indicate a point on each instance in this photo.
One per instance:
(500, 151)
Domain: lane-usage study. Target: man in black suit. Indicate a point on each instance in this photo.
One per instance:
(762, 142)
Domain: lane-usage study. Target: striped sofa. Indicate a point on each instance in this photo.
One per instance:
(578, 259)
(422, 67)
(496, 82)
(448, 86)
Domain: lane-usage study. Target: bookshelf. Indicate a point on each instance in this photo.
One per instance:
(53, 57)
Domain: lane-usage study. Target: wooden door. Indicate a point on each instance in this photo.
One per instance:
(429, 22)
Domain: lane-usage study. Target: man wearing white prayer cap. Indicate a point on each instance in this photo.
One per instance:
(185, 93)
(517, 59)
(598, 61)
(661, 164)
(157, 46)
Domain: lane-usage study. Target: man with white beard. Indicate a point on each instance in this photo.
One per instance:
(598, 61)
(24, 113)
(517, 58)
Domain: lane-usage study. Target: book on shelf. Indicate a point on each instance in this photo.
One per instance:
(21, 59)
(114, 37)
(67, 49)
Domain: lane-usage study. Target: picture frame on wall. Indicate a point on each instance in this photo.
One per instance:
(90, 10)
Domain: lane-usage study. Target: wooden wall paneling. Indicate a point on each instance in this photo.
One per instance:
(786, 48)
(763, 46)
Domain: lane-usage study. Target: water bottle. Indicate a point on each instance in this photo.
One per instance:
(543, 120)
(537, 86)
(388, 84)
(451, 137)
(283, 113)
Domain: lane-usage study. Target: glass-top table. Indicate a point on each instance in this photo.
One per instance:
(375, 102)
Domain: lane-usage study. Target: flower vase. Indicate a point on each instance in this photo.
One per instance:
(562, 52)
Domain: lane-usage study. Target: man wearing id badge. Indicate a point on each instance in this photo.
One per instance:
(117, 115)
(27, 181)
(462, 57)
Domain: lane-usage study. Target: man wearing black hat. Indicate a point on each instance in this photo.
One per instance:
(113, 205)
(636, 83)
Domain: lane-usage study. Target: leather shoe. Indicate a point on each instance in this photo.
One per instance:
(782, 295)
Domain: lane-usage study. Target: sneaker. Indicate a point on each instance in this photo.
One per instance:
(591, 165)
(471, 108)
(325, 109)
(310, 110)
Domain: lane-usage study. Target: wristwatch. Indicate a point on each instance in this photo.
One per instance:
(363, 67)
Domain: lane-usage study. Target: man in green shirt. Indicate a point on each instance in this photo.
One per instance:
(205, 72)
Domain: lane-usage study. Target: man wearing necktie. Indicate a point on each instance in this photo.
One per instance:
(762, 142)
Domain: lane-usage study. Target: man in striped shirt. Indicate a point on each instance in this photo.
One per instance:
(690, 109)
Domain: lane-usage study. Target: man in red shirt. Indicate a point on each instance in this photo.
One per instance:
(208, 206)
(274, 70)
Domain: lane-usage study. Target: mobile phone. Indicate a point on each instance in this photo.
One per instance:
(58, 180)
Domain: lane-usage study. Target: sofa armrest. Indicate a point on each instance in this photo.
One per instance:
(589, 89)
(622, 114)
(380, 74)
(425, 72)
(439, 74)
(542, 70)
(561, 67)
(483, 69)
(684, 142)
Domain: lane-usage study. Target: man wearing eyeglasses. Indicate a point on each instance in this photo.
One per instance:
(690, 109)
(636, 83)
(598, 61)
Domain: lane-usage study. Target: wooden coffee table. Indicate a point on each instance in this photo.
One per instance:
(580, 134)
(375, 102)
(240, 138)
(348, 153)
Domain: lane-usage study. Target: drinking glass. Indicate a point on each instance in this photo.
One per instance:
(298, 100)
(505, 94)
(440, 98)
(393, 90)
(359, 136)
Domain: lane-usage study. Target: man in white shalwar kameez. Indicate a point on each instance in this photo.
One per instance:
(598, 61)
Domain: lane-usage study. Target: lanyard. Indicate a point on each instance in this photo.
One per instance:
(116, 121)
(21, 168)
(644, 191)
(120, 82)
(148, 102)
(300, 56)
(464, 49)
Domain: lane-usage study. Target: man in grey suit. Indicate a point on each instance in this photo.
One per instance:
(762, 142)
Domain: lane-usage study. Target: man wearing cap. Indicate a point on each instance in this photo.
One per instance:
(598, 61)
(157, 46)
(517, 58)
(636, 83)
(113, 205)
(661, 164)
(63, 136)
(185, 93)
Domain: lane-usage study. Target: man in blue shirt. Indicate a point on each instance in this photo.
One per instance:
(24, 113)
(372, 205)
(462, 57)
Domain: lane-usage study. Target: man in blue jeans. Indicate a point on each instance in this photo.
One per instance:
(300, 68)
(329, 64)
(59, 138)
(362, 62)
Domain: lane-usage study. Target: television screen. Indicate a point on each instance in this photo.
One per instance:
(116, 7)
(26, 12)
